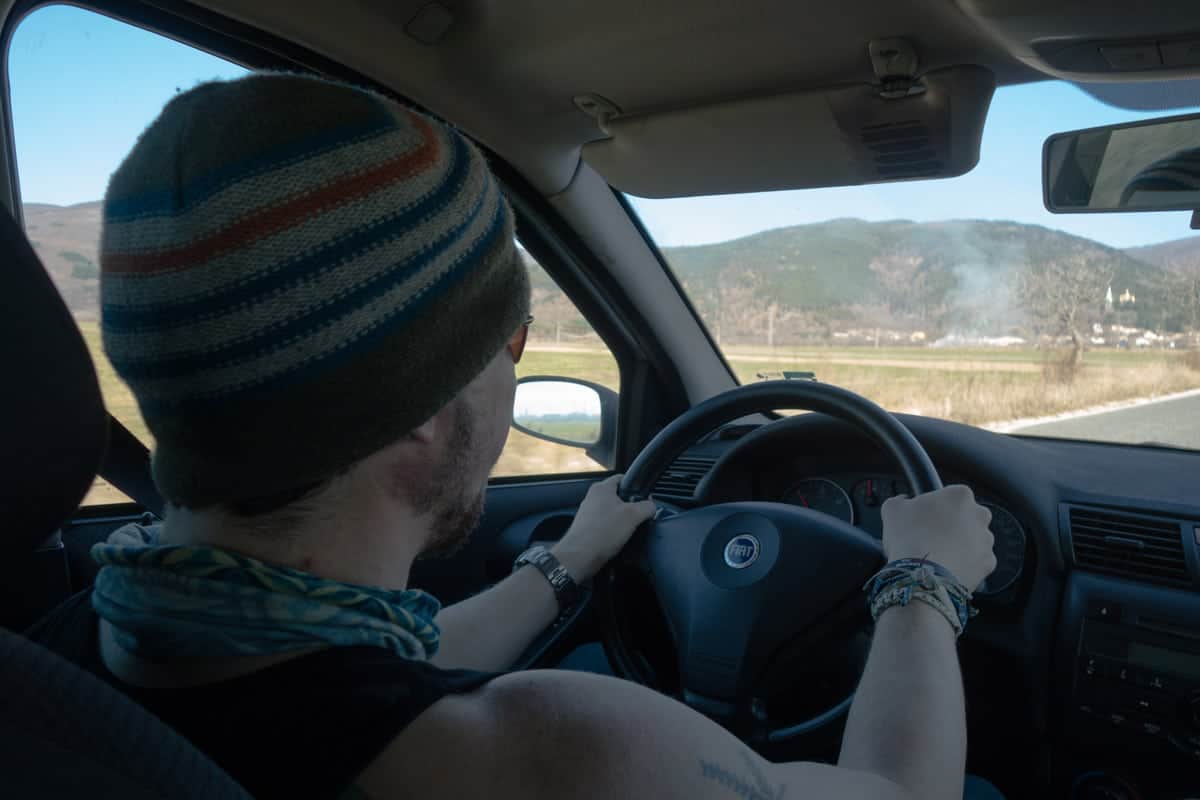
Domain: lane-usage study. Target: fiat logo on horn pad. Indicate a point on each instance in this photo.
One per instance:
(742, 551)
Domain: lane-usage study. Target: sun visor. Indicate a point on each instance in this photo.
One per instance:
(831, 137)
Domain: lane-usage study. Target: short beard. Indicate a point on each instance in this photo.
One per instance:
(454, 507)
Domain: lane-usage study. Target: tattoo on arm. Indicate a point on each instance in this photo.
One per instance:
(749, 785)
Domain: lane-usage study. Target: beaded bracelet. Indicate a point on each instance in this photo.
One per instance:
(901, 581)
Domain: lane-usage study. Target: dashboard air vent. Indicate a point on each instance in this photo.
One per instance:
(680, 480)
(1141, 548)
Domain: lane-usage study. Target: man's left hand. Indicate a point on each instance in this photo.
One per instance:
(601, 528)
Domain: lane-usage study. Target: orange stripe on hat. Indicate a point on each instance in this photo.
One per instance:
(280, 217)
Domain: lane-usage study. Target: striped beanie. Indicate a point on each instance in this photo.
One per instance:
(294, 274)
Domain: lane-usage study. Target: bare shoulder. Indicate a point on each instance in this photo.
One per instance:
(551, 733)
(518, 735)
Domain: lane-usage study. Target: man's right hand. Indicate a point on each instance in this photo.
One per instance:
(947, 527)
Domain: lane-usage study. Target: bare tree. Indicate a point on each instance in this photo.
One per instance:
(1183, 293)
(1065, 295)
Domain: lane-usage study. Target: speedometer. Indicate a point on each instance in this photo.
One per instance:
(821, 494)
(1009, 547)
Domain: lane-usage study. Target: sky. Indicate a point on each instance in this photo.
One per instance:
(84, 86)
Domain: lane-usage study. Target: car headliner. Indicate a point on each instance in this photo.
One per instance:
(507, 72)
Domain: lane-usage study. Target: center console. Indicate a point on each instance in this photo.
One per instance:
(1140, 680)
(1128, 671)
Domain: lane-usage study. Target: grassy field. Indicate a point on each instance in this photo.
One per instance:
(978, 386)
(975, 386)
(523, 455)
(573, 431)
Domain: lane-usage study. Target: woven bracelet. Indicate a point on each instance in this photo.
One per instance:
(899, 582)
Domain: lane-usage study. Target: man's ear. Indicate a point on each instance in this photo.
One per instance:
(401, 468)
(424, 432)
(414, 452)
(410, 449)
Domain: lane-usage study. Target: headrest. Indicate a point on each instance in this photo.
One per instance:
(53, 425)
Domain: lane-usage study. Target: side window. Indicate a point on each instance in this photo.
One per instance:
(561, 344)
(82, 87)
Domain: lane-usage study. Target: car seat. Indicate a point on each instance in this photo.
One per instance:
(64, 732)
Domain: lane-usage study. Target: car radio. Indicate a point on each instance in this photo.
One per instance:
(1143, 681)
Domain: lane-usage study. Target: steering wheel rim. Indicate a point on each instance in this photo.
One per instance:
(851, 556)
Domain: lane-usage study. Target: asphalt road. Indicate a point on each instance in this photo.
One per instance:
(1171, 422)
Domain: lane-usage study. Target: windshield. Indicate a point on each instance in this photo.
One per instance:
(963, 298)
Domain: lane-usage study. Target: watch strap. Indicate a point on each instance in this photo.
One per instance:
(565, 588)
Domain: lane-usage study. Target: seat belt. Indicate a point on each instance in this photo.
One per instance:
(127, 466)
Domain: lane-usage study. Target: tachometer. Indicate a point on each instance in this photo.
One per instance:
(1009, 547)
(821, 494)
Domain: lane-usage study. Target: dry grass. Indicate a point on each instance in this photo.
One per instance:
(1061, 367)
(523, 455)
(974, 386)
(979, 397)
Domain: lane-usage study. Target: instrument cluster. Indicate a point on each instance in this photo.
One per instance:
(858, 499)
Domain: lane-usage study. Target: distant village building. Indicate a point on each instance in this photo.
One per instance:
(1126, 298)
(1108, 300)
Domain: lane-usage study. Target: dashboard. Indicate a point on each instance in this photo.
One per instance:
(858, 498)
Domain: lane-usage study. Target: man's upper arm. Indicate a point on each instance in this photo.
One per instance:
(559, 734)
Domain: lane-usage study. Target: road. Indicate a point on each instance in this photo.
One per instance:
(1172, 422)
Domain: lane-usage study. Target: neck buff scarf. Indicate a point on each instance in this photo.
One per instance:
(191, 601)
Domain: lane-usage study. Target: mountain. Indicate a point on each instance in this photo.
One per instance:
(1176, 254)
(938, 277)
(67, 239)
(795, 283)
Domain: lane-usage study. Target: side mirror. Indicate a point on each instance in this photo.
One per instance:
(570, 412)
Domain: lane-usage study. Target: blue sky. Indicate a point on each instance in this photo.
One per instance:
(83, 87)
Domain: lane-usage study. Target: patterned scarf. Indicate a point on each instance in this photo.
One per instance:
(168, 601)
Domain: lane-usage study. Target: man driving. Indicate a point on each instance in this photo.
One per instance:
(316, 297)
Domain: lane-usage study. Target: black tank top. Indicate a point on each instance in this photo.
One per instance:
(303, 728)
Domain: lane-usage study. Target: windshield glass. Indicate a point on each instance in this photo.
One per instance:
(962, 298)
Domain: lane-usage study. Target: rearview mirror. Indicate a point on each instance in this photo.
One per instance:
(1138, 166)
(570, 412)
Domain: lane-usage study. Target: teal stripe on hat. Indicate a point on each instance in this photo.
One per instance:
(385, 326)
(273, 338)
(180, 199)
(118, 317)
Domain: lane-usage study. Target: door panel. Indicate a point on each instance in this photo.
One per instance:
(515, 515)
(511, 509)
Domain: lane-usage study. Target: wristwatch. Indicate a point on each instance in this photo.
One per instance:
(565, 588)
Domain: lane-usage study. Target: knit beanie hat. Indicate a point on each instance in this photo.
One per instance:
(294, 274)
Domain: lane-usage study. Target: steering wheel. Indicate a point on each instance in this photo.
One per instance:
(738, 583)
